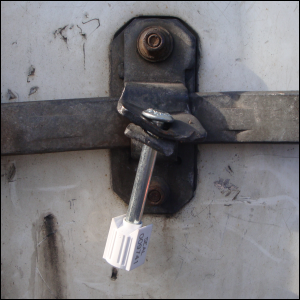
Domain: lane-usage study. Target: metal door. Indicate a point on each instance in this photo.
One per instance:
(237, 238)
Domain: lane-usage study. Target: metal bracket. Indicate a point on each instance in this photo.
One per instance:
(162, 81)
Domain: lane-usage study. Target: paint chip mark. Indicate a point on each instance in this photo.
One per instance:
(114, 274)
(81, 33)
(95, 19)
(33, 90)
(11, 172)
(31, 70)
(59, 31)
(225, 187)
(83, 48)
(229, 170)
(234, 198)
(11, 95)
(72, 203)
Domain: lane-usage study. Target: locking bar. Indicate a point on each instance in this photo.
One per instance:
(61, 125)
(248, 117)
(94, 123)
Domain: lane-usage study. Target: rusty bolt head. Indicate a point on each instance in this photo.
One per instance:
(158, 191)
(155, 44)
(155, 196)
(154, 40)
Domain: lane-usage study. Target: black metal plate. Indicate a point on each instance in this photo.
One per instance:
(180, 175)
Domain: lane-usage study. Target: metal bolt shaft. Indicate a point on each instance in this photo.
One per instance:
(144, 171)
(141, 185)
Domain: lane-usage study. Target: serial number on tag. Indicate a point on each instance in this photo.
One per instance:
(141, 248)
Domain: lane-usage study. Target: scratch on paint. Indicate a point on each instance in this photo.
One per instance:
(83, 55)
(252, 221)
(46, 237)
(252, 241)
(45, 282)
(180, 267)
(58, 188)
(95, 19)
(224, 230)
(196, 215)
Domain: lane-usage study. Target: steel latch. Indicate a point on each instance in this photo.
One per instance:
(157, 53)
(159, 71)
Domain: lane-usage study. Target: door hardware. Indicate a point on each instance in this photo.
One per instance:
(162, 82)
(154, 65)
(167, 81)
(128, 241)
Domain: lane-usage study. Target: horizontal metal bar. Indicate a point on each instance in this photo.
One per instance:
(248, 116)
(61, 125)
(94, 123)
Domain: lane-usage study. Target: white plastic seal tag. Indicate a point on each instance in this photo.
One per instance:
(127, 244)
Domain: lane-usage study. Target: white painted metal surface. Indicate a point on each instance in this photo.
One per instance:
(215, 247)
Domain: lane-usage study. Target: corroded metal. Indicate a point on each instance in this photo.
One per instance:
(158, 191)
(155, 44)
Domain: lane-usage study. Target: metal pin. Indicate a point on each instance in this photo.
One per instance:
(144, 171)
